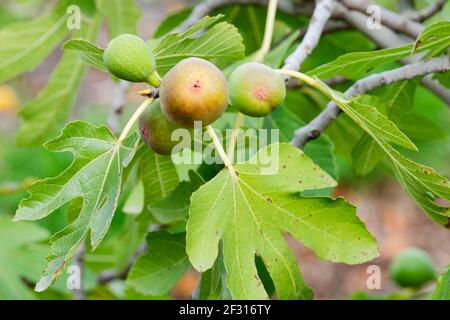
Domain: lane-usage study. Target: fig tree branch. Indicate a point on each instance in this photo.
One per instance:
(321, 15)
(385, 37)
(393, 20)
(427, 12)
(314, 128)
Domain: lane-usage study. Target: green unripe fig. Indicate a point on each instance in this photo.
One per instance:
(256, 89)
(193, 90)
(156, 130)
(128, 57)
(412, 268)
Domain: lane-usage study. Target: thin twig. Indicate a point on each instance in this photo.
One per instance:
(314, 128)
(221, 151)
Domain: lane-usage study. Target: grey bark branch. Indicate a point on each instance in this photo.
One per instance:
(314, 128)
(387, 38)
(393, 20)
(319, 19)
(427, 12)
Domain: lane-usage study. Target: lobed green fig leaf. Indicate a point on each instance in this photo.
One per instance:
(250, 214)
(95, 175)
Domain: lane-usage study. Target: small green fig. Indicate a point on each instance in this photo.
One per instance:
(193, 90)
(156, 130)
(412, 268)
(128, 57)
(256, 89)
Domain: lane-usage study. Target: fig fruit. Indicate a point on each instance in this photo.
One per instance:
(193, 90)
(256, 90)
(128, 57)
(412, 268)
(156, 130)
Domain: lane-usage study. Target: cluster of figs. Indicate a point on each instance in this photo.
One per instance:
(194, 90)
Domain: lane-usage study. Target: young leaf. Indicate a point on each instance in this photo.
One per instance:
(87, 51)
(42, 115)
(156, 272)
(442, 291)
(251, 213)
(122, 15)
(25, 44)
(220, 41)
(95, 175)
(20, 256)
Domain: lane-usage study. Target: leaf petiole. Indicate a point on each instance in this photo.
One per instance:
(268, 31)
(133, 119)
(221, 151)
(303, 77)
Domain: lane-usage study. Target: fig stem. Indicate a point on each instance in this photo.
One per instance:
(268, 31)
(221, 151)
(315, 83)
(237, 125)
(154, 79)
(134, 118)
